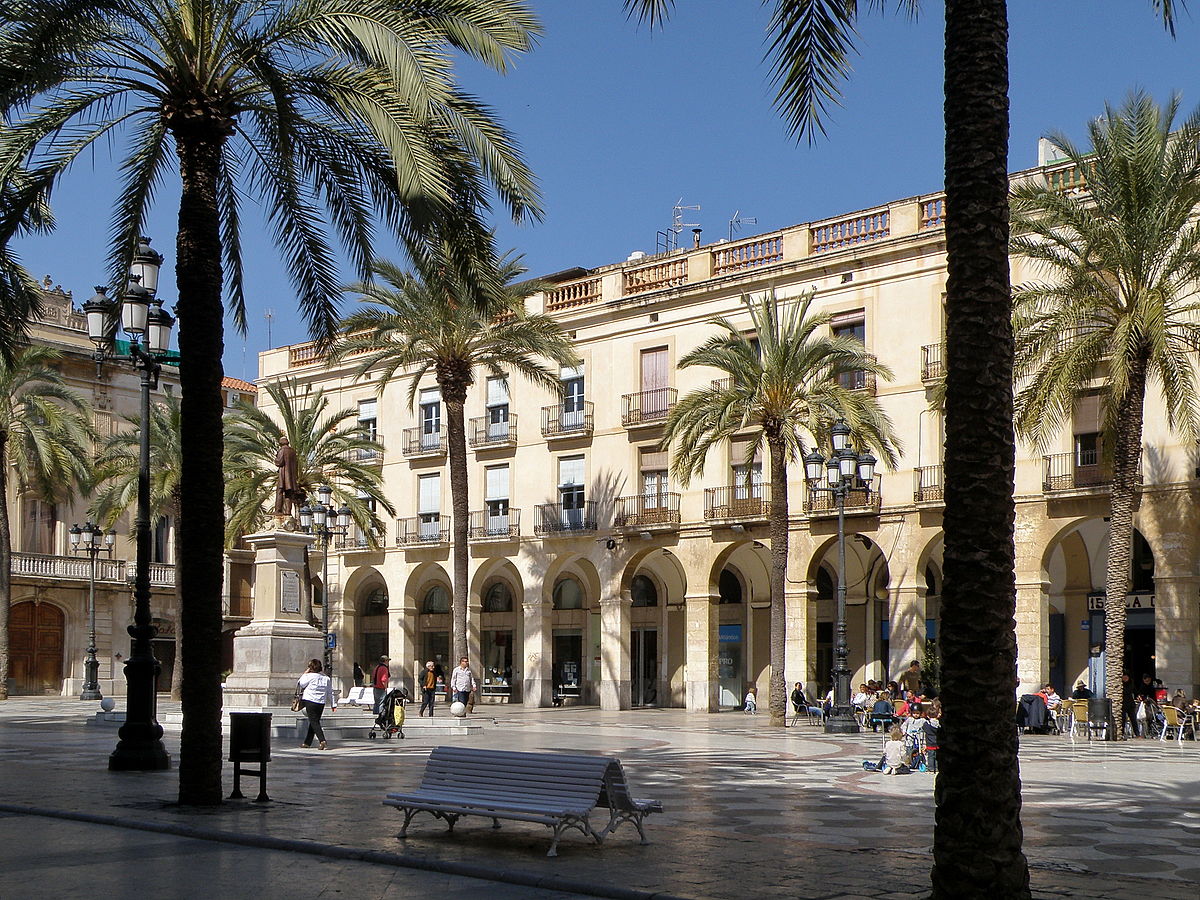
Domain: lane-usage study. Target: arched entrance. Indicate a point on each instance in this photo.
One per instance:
(36, 637)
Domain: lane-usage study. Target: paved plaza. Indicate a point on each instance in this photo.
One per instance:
(750, 812)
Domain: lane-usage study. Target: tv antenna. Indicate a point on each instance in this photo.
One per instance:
(269, 315)
(669, 240)
(739, 220)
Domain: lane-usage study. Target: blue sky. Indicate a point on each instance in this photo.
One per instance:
(620, 123)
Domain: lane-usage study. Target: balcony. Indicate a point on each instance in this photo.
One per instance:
(418, 442)
(77, 568)
(858, 380)
(738, 503)
(484, 527)
(933, 365)
(648, 511)
(647, 407)
(367, 456)
(414, 532)
(557, 519)
(1081, 471)
(566, 420)
(359, 541)
(484, 434)
(927, 484)
(862, 500)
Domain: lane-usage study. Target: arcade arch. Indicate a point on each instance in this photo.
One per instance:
(497, 628)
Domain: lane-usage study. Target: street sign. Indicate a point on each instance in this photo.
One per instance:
(331, 641)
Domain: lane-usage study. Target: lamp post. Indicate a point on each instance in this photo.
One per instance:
(148, 328)
(322, 520)
(843, 472)
(91, 539)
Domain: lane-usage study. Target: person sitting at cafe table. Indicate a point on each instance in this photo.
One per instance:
(1053, 701)
(1180, 700)
(1081, 692)
(862, 698)
(911, 703)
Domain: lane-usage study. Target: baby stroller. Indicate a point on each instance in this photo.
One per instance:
(390, 720)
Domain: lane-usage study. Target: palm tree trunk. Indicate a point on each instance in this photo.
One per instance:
(1124, 495)
(201, 343)
(177, 672)
(5, 568)
(777, 686)
(456, 439)
(977, 855)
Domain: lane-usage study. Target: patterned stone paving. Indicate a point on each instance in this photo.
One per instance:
(750, 811)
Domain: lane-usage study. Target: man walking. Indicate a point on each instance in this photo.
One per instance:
(429, 681)
(380, 678)
(462, 682)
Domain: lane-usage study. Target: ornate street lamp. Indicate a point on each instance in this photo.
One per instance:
(91, 539)
(148, 328)
(322, 520)
(843, 472)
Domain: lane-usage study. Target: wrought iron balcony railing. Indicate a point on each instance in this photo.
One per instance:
(485, 433)
(862, 498)
(418, 442)
(738, 503)
(572, 419)
(647, 407)
(368, 455)
(927, 484)
(557, 518)
(423, 530)
(647, 510)
(933, 365)
(486, 527)
(1082, 470)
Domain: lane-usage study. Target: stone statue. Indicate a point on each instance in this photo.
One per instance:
(288, 495)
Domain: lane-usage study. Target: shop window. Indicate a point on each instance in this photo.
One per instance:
(437, 601)
(498, 598)
(729, 586)
(568, 594)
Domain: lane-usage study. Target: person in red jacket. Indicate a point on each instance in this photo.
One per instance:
(380, 678)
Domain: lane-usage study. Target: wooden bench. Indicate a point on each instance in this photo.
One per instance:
(558, 790)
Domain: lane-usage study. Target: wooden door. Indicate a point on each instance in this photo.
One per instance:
(36, 637)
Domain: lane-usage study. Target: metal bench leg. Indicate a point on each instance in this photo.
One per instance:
(558, 830)
(408, 814)
(495, 823)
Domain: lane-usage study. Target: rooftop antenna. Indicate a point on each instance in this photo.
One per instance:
(739, 220)
(669, 240)
(269, 315)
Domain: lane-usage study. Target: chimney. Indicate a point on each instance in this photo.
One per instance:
(696, 238)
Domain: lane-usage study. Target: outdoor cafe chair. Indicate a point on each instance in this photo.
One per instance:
(1177, 721)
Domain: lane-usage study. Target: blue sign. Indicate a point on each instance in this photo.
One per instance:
(729, 634)
(331, 641)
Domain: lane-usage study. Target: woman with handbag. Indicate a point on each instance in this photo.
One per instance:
(315, 691)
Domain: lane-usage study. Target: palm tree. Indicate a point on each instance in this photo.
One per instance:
(335, 114)
(811, 42)
(23, 210)
(115, 474)
(1119, 309)
(434, 320)
(330, 447)
(784, 386)
(45, 441)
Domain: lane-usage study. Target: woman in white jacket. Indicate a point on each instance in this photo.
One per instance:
(316, 692)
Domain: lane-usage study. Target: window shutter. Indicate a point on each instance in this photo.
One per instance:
(570, 470)
(367, 409)
(571, 372)
(653, 459)
(429, 395)
(496, 487)
(430, 493)
(497, 391)
(1086, 419)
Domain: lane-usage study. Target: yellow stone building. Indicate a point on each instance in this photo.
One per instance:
(594, 575)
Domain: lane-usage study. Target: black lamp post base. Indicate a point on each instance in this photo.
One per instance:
(841, 722)
(139, 756)
(91, 681)
(91, 694)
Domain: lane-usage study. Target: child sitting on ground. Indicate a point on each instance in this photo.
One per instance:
(895, 754)
(751, 701)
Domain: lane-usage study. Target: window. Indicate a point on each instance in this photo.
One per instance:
(655, 376)
(573, 398)
(430, 407)
(570, 490)
(40, 520)
(747, 473)
(652, 463)
(729, 586)
(162, 531)
(376, 602)
(437, 601)
(498, 598)
(368, 421)
(643, 591)
(568, 594)
(851, 325)
(497, 408)
(496, 499)
(429, 507)
(1087, 443)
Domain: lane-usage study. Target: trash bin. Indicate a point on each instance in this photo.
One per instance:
(1100, 719)
(250, 742)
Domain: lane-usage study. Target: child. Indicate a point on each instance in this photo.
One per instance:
(933, 729)
(895, 754)
(751, 706)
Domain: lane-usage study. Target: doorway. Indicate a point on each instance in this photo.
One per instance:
(644, 663)
(36, 640)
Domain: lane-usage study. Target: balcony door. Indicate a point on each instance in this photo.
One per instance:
(429, 526)
(572, 415)
(570, 492)
(431, 419)
(497, 409)
(654, 384)
(496, 494)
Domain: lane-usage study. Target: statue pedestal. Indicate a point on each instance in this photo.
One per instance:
(272, 652)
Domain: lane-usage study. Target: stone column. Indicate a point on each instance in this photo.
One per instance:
(272, 651)
(1177, 631)
(537, 684)
(906, 627)
(402, 641)
(703, 689)
(1033, 634)
(797, 665)
(615, 663)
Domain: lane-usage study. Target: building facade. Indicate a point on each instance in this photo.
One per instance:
(594, 575)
